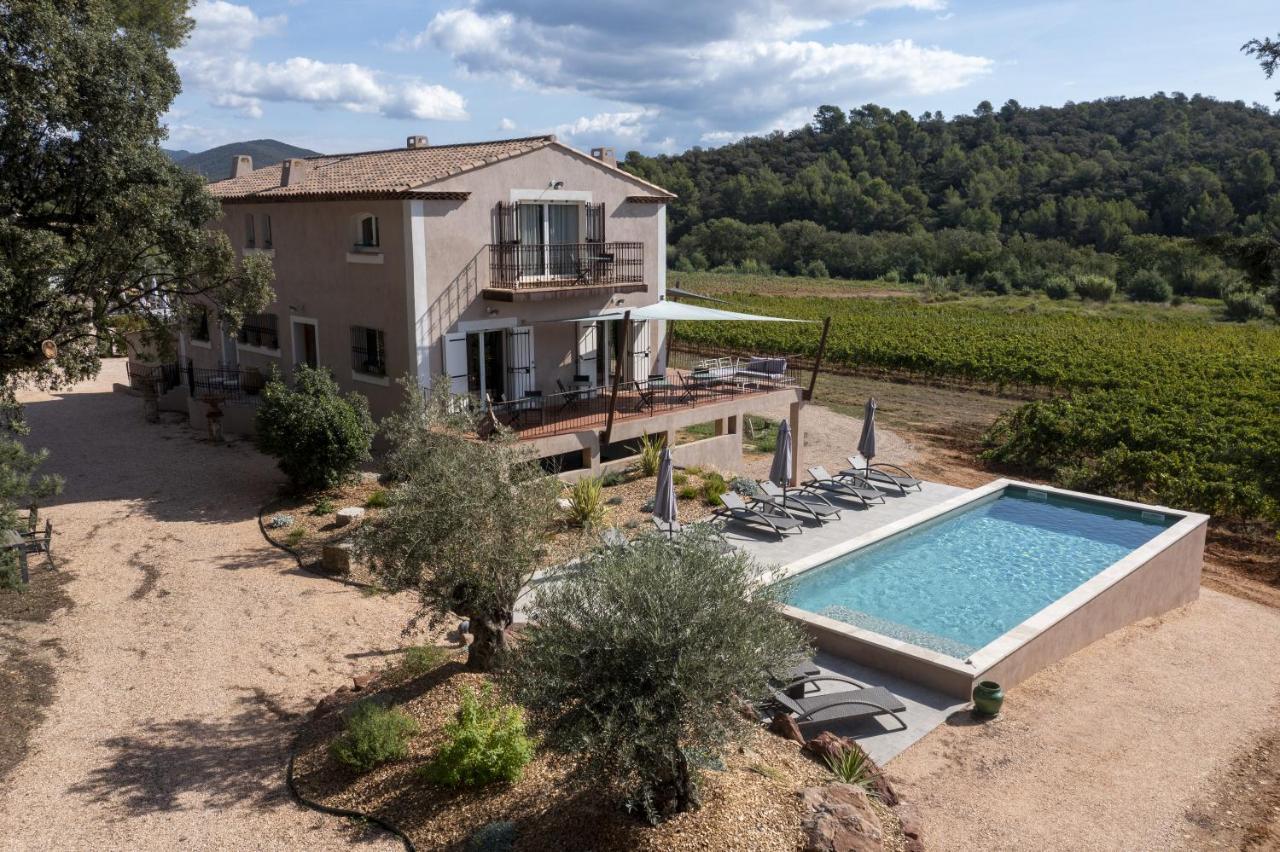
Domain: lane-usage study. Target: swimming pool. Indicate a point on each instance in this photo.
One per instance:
(956, 583)
(994, 583)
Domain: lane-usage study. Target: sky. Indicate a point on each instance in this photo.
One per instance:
(664, 75)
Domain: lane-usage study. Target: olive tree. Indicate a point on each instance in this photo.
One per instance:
(467, 519)
(644, 658)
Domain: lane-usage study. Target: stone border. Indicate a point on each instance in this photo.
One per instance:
(346, 581)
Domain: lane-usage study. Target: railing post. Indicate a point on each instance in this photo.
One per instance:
(191, 377)
(617, 380)
(817, 362)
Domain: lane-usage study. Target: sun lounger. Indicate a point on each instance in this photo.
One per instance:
(859, 703)
(734, 509)
(798, 502)
(845, 485)
(882, 474)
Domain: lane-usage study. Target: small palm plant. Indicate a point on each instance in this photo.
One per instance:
(650, 453)
(853, 766)
(586, 502)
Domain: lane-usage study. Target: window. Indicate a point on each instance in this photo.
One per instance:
(549, 234)
(200, 324)
(367, 231)
(368, 354)
(260, 330)
(249, 241)
(266, 232)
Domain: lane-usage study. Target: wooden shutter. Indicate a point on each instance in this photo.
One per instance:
(455, 363)
(595, 223)
(504, 223)
(520, 361)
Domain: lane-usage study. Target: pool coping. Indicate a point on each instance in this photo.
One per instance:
(951, 673)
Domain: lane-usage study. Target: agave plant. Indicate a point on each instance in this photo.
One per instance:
(853, 766)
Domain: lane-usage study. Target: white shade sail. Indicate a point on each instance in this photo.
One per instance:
(665, 310)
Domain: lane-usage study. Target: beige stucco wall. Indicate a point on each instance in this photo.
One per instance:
(315, 279)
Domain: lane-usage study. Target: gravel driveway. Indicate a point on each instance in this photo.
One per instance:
(190, 650)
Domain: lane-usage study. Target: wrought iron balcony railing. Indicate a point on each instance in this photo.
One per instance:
(519, 266)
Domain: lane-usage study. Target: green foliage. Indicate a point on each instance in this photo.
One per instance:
(679, 478)
(486, 743)
(497, 836)
(10, 571)
(377, 500)
(636, 664)
(318, 436)
(1162, 407)
(1059, 287)
(420, 659)
(1242, 305)
(295, 536)
(852, 766)
(688, 492)
(1149, 286)
(713, 487)
(650, 453)
(765, 434)
(373, 735)
(467, 522)
(586, 502)
(612, 478)
(99, 227)
(323, 506)
(1095, 288)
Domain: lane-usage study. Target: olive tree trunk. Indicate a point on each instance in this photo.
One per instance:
(489, 639)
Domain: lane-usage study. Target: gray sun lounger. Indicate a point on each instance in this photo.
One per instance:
(882, 473)
(854, 487)
(734, 509)
(798, 502)
(862, 703)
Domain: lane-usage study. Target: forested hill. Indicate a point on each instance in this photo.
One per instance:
(1085, 174)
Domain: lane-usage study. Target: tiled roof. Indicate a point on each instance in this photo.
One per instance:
(391, 172)
(395, 173)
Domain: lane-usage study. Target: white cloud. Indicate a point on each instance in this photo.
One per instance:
(216, 58)
(693, 65)
(506, 124)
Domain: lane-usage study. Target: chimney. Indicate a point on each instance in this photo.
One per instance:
(241, 164)
(293, 172)
(605, 155)
(416, 142)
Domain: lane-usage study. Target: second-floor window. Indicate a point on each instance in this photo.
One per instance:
(368, 353)
(549, 234)
(367, 231)
(200, 324)
(266, 232)
(260, 330)
(249, 241)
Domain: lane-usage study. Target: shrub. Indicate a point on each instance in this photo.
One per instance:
(650, 453)
(744, 485)
(373, 735)
(688, 492)
(419, 660)
(612, 478)
(852, 766)
(324, 506)
(318, 436)
(816, 269)
(632, 663)
(1096, 288)
(280, 521)
(586, 502)
(10, 571)
(295, 535)
(679, 478)
(377, 500)
(1059, 287)
(1243, 305)
(485, 743)
(713, 486)
(1147, 285)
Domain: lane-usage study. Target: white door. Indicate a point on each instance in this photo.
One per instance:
(455, 363)
(520, 361)
(639, 344)
(588, 350)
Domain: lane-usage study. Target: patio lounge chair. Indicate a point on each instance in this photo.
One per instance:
(762, 370)
(882, 474)
(845, 485)
(734, 509)
(798, 502)
(859, 703)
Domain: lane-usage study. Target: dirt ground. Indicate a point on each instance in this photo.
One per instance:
(187, 653)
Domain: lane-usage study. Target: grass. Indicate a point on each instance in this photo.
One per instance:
(324, 506)
(295, 535)
(417, 661)
(768, 771)
(378, 500)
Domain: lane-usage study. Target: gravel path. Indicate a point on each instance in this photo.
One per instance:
(191, 648)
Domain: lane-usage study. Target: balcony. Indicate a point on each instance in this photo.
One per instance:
(529, 271)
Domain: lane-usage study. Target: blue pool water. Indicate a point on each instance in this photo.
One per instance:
(956, 583)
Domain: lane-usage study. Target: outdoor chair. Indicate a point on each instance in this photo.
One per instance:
(882, 474)
(845, 485)
(859, 703)
(569, 397)
(798, 502)
(761, 370)
(734, 509)
(39, 542)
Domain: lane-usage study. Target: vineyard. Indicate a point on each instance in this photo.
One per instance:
(1156, 408)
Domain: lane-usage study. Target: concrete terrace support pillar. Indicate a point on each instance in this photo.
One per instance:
(797, 442)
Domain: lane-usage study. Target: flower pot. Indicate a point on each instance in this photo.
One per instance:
(988, 696)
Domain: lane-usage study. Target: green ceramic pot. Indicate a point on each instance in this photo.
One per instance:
(988, 696)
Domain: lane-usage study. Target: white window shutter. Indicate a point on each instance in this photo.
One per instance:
(639, 349)
(455, 363)
(588, 350)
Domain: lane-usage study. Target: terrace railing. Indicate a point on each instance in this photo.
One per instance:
(163, 377)
(519, 266)
(229, 384)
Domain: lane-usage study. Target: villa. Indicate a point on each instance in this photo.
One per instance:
(530, 275)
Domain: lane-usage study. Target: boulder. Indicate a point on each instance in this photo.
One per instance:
(349, 515)
(336, 558)
(362, 681)
(840, 819)
(784, 726)
(911, 830)
(827, 746)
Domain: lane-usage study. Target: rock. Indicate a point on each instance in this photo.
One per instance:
(330, 702)
(362, 681)
(336, 558)
(349, 515)
(563, 504)
(840, 819)
(827, 746)
(368, 477)
(785, 726)
(911, 830)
